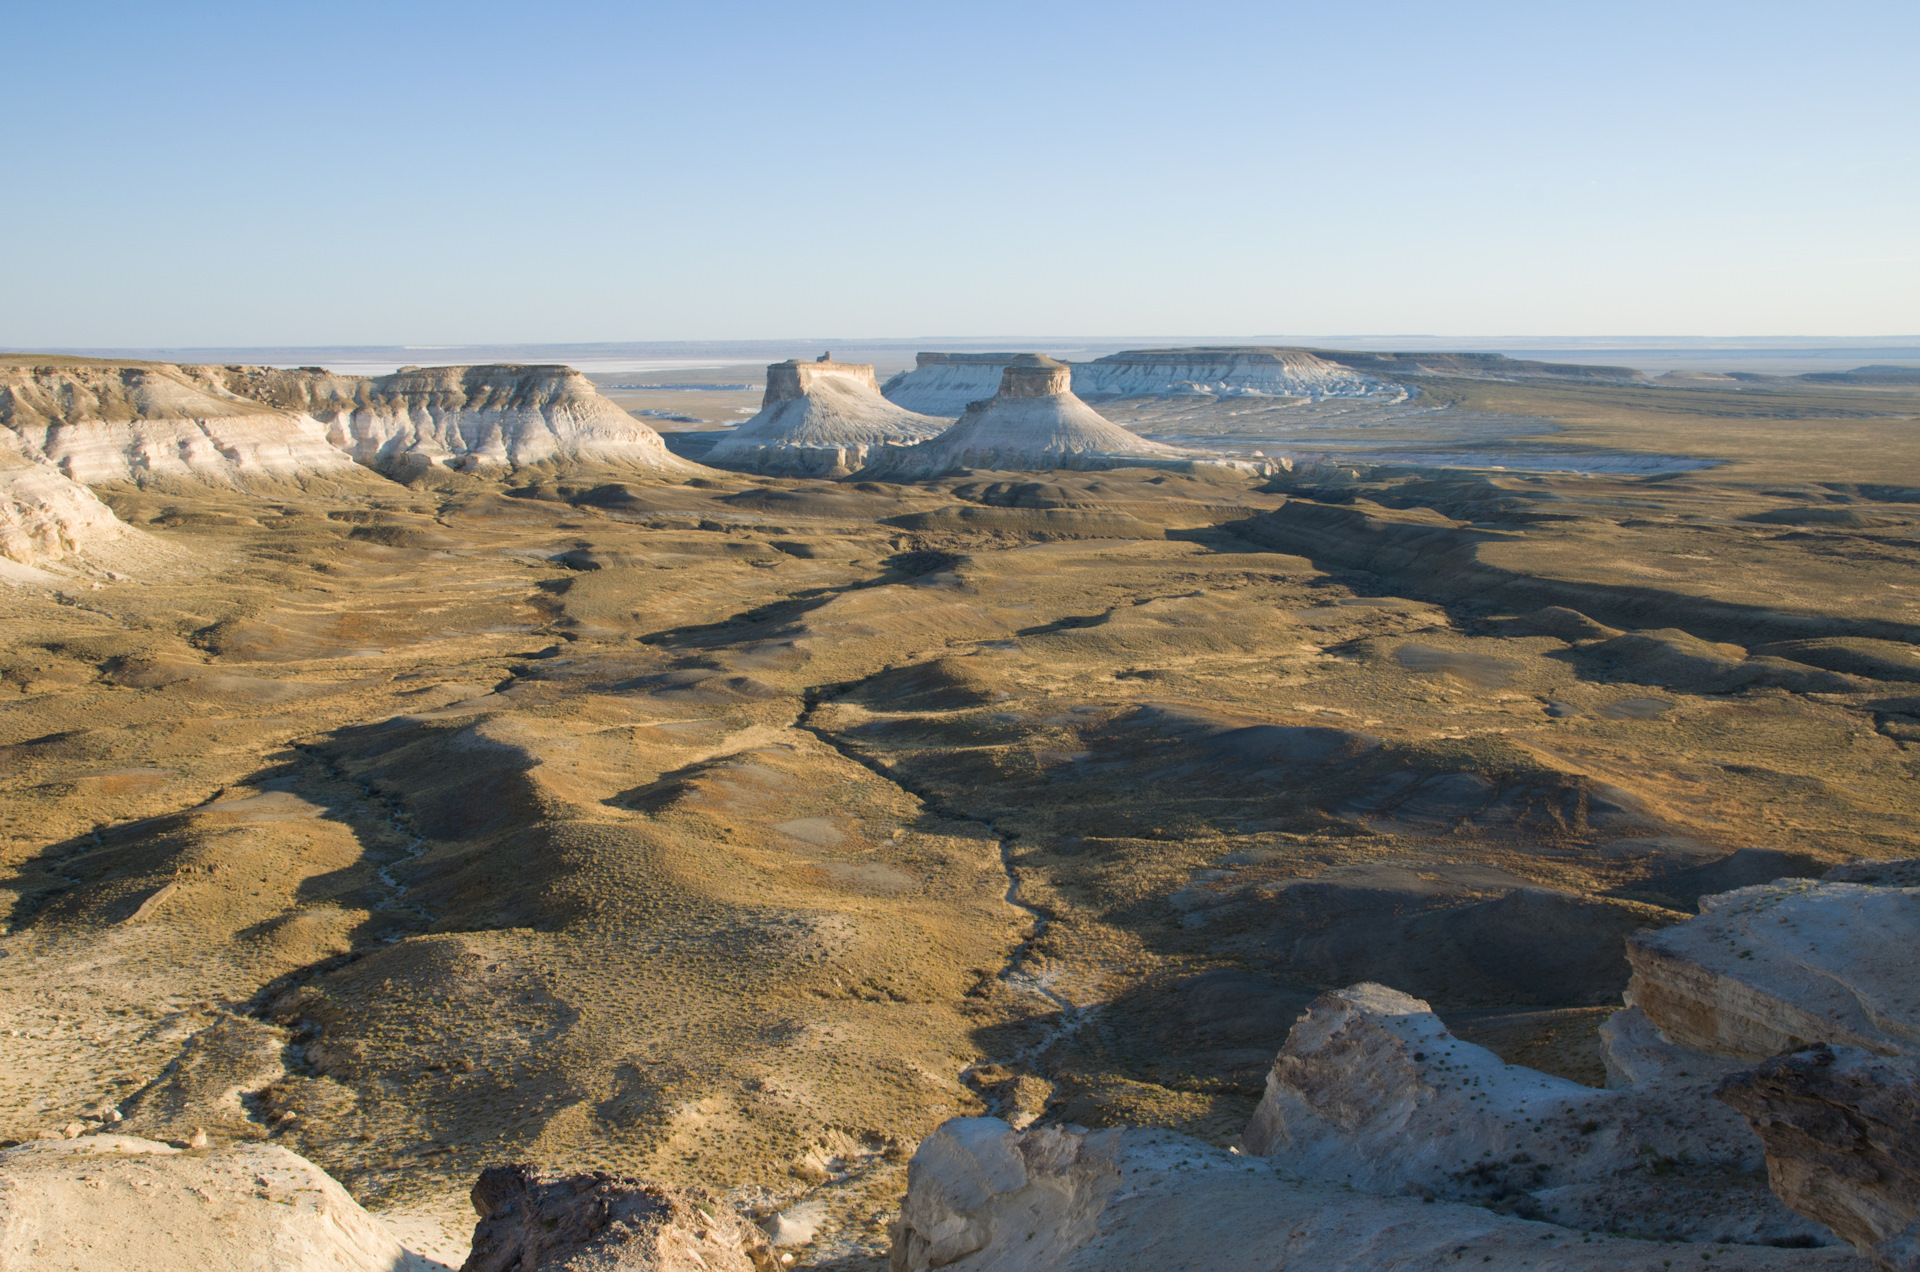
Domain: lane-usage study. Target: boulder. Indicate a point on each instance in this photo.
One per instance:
(983, 1197)
(1842, 1133)
(533, 1222)
(1373, 1091)
(109, 1203)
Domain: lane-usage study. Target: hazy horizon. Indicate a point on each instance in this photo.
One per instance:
(458, 175)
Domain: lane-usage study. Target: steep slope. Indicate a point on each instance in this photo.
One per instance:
(46, 518)
(106, 422)
(1224, 371)
(820, 419)
(1034, 422)
(945, 383)
(462, 417)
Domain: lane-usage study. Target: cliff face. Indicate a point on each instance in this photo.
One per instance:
(106, 422)
(1033, 423)
(945, 383)
(1224, 372)
(47, 517)
(820, 419)
(463, 417)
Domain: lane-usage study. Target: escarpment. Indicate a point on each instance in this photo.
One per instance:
(1226, 371)
(100, 422)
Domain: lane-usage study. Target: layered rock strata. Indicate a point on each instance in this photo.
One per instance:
(99, 422)
(1033, 423)
(1842, 1132)
(820, 419)
(946, 384)
(108, 1203)
(1224, 371)
(534, 1222)
(111, 422)
(1772, 968)
(503, 415)
(45, 517)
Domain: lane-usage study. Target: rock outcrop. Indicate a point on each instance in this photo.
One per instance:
(945, 384)
(1372, 1090)
(530, 1222)
(108, 1203)
(101, 422)
(140, 422)
(820, 419)
(982, 1197)
(1224, 371)
(1033, 423)
(1776, 967)
(1842, 1131)
(45, 517)
(463, 417)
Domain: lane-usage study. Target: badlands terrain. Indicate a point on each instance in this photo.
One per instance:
(436, 771)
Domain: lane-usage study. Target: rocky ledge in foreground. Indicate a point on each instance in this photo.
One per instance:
(111, 1203)
(1384, 1141)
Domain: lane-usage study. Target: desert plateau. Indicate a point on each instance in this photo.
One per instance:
(1227, 807)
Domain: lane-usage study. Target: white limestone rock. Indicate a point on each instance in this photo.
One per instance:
(982, 1197)
(1372, 1090)
(945, 384)
(1770, 968)
(99, 422)
(1225, 371)
(503, 415)
(1034, 423)
(52, 527)
(820, 419)
(108, 1203)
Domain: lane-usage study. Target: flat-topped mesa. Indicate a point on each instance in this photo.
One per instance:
(945, 383)
(1034, 424)
(98, 421)
(820, 419)
(1225, 371)
(465, 418)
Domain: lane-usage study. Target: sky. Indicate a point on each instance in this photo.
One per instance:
(196, 174)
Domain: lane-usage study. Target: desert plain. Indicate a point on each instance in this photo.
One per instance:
(736, 831)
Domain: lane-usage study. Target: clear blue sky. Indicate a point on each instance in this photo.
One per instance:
(268, 173)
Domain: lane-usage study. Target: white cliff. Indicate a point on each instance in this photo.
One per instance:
(103, 422)
(1034, 423)
(51, 525)
(820, 419)
(946, 383)
(503, 415)
(1225, 371)
(983, 1197)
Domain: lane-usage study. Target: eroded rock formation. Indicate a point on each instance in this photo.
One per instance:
(1034, 422)
(982, 1196)
(1371, 1089)
(1226, 371)
(1775, 967)
(464, 417)
(820, 419)
(108, 422)
(102, 422)
(1842, 1131)
(946, 383)
(533, 1222)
